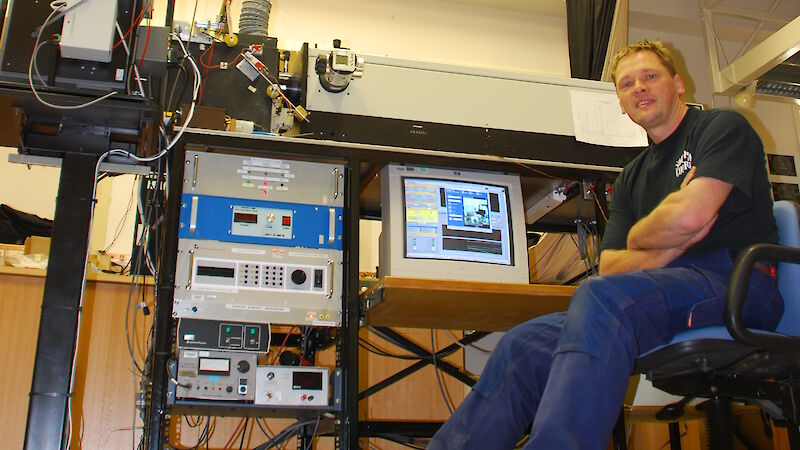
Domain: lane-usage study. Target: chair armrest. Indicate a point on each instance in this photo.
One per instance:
(737, 291)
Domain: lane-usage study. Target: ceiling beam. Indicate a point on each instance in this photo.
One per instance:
(757, 61)
(709, 4)
(750, 14)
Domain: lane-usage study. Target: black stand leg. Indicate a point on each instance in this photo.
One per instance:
(674, 436)
(63, 288)
(794, 436)
(619, 435)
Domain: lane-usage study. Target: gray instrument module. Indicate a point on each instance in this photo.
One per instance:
(260, 240)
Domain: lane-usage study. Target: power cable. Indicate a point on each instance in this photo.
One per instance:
(438, 377)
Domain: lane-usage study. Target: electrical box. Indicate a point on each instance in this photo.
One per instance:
(216, 375)
(88, 31)
(260, 240)
(292, 386)
(258, 283)
(223, 335)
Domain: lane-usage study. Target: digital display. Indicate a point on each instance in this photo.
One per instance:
(456, 220)
(245, 218)
(340, 60)
(209, 271)
(262, 222)
(307, 380)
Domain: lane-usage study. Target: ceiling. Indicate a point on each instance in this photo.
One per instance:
(770, 59)
(652, 11)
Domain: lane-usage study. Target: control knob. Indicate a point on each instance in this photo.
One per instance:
(298, 277)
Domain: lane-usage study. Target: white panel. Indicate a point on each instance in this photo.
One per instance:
(440, 93)
(88, 31)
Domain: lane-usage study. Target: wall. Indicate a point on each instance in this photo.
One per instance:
(432, 30)
(33, 189)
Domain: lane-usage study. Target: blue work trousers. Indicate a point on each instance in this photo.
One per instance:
(568, 372)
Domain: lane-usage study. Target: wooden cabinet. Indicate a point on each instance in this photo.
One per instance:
(103, 397)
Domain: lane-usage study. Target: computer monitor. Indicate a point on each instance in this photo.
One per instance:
(452, 224)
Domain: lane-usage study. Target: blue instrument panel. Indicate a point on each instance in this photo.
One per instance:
(260, 222)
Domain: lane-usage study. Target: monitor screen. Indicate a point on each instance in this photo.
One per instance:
(452, 224)
(456, 220)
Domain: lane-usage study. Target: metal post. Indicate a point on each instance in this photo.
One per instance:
(348, 428)
(674, 436)
(155, 434)
(63, 290)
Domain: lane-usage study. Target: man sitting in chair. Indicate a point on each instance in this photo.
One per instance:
(681, 211)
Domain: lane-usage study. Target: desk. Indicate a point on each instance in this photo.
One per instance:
(443, 304)
(459, 305)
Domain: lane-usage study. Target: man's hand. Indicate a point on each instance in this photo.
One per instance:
(620, 261)
(688, 177)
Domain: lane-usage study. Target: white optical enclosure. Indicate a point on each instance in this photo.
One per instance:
(88, 30)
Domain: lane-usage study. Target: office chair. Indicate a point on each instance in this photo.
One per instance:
(731, 363)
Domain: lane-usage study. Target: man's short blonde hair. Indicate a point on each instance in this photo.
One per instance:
(644, 45)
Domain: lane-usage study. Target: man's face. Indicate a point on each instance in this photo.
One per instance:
(649, 94)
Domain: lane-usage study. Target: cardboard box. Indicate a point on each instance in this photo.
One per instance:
(555, 259)
(37, 245)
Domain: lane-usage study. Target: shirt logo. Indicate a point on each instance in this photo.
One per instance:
(683, 164)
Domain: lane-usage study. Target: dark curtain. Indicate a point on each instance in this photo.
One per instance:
(588, 30)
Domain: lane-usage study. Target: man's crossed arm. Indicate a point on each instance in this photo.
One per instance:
(682, 219)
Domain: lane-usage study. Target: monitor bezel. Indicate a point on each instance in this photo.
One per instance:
(392, 259)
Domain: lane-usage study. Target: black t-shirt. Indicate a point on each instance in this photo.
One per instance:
(722, 145)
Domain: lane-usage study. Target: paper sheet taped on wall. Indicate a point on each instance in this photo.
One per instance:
(597, 119)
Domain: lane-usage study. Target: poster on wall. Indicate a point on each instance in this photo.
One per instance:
(781, 165)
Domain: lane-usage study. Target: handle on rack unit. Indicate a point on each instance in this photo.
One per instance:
(194, 174)
(330, 278)
(336, 183)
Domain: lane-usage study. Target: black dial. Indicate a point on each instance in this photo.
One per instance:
(243, 366)
(298, 277)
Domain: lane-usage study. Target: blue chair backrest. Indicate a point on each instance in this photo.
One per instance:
(788, 220)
